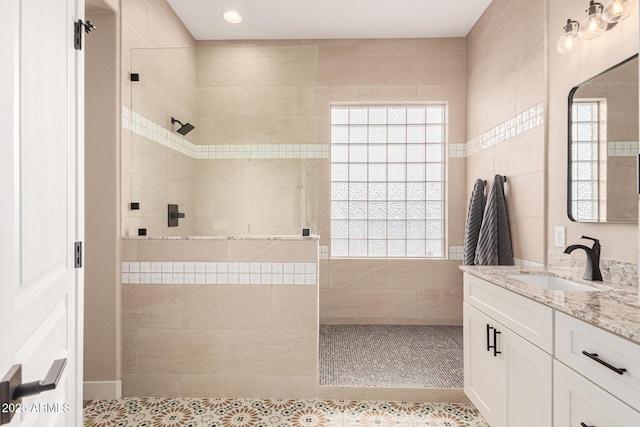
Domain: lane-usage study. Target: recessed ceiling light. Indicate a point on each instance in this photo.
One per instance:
(232, 16)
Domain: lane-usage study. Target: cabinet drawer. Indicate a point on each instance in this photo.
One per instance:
(574, 336)
(577, 400)
(527, 318)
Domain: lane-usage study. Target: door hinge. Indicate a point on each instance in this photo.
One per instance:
(78, 254)
(77, 32)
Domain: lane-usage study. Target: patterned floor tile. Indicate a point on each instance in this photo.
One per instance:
(192, 412)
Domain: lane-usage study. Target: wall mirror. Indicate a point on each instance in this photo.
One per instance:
(603, 147)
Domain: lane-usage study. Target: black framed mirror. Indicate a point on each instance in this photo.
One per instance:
(603, 151)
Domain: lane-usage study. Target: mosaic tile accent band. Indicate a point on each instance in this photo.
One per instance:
(201, 412)
(140, 125)
(519, 124)
(220, 273)
(622, 148)
(456, 253)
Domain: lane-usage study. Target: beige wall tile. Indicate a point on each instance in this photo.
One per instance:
(357, 273)
(393, 303)
(379, 93)
(440, 307)
(323, 273)
(226, 386)
(415, 274)
(151, 306)
(338, 303)
(293, 387)
(388, 47)
(346, 71)
(182, 250)
(226, 307)
(294, 307)
(446, 395)
(272, 250)
(129, 249)
(135, 385)
(365, 393)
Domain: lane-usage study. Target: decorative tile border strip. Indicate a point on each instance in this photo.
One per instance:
(220, 273)
(622, 148)
(519, 124)
(457, 150)
(456, 253)
(142, 126)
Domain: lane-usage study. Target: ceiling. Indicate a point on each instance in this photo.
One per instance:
(329, 19)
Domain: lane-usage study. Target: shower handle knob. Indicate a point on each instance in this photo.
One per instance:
(174, 215)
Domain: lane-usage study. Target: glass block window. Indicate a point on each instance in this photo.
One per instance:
(584, 160)
(388, 181)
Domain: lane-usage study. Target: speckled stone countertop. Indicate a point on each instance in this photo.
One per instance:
(313, 237)
(615, 309)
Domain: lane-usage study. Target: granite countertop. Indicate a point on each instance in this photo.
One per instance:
(615, 309)
(291, 237)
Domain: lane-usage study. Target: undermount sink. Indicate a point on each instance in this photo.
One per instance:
(553, 283)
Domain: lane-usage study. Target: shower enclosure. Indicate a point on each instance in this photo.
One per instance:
(229, 135)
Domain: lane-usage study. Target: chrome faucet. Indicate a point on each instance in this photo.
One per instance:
(592, 269)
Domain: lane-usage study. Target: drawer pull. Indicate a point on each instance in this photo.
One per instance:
(495, 343)
(489, 328)
(584, 425)
(594, 356)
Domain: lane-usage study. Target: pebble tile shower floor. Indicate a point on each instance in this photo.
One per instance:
(192, 412)
(391, 356)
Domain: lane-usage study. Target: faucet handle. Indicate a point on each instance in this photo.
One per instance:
(596, 245)
(595, 241)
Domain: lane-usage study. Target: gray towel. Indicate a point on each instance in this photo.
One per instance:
(494, 243)
(474, 221)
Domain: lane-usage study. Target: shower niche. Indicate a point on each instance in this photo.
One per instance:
(230, 134)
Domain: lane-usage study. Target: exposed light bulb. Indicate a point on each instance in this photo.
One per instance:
(594, 24)
(570, 40)
(617, 10)
(232, 17)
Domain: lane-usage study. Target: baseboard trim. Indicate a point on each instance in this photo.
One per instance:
(102, 390)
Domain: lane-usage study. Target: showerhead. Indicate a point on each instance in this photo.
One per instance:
(184, 128)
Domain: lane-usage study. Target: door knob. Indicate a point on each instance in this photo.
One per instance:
(12, 390)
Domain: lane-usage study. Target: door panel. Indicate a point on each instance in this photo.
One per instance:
(41, 187)
(484, 374)
(529, 384)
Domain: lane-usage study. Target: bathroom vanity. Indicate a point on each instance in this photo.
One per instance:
(537, 354)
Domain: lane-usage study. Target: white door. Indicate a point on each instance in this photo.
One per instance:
(41, 204)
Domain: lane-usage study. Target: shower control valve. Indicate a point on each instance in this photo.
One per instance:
(174, 215)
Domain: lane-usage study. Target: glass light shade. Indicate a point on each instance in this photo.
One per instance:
(592, 26)
(617, 10)
(570, 40)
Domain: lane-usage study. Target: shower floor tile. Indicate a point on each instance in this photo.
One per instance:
(194, 412)
(391, 356)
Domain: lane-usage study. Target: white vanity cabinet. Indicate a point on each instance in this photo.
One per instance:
(526, 364)
(508, 366)
(596, 376)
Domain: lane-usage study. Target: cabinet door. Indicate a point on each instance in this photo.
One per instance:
(484, 373)
(528, 381)
(579, 402)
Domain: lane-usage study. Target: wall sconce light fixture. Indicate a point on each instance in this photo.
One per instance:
(598, 19)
